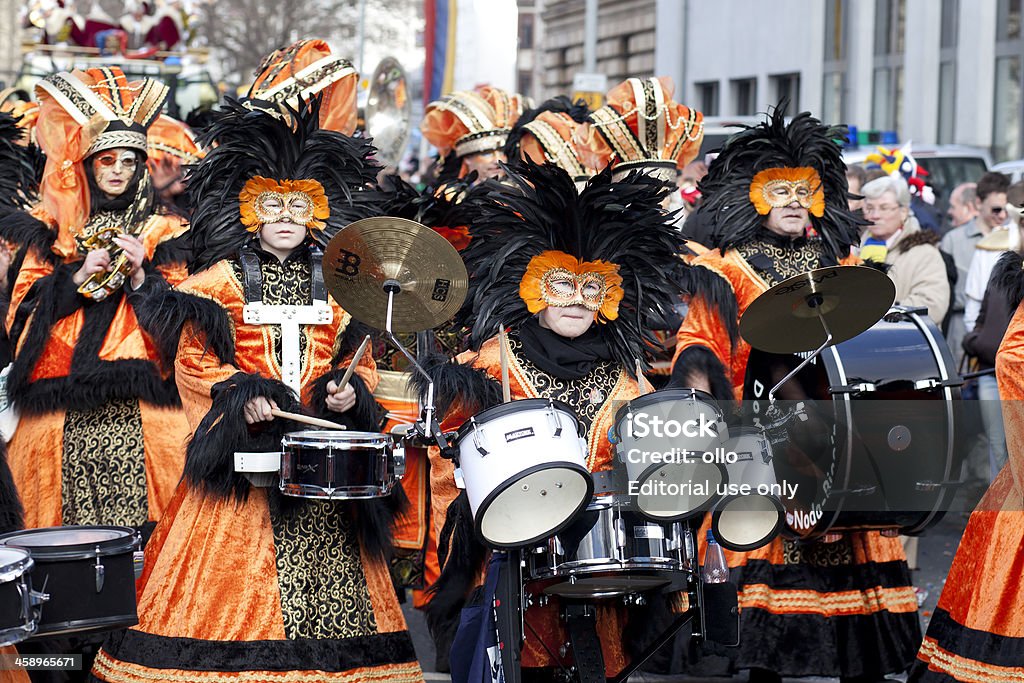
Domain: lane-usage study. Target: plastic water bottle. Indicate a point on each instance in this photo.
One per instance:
(715, 569)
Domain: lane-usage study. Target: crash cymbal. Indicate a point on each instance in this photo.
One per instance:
(369, 254)
(784, 319)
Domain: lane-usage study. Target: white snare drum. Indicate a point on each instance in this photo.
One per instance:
(524, 465)
(662, 438)
(608, 551)
(748, 521)
(336, 465)
(18, 618)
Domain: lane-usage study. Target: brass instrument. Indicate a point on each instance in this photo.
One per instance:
(101, 285)
(384, 110)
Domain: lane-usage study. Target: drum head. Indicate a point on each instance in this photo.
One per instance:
(676, 491)
(334, 438)
(533, 505)
(68, 541)
(13, 560)
(743, 523)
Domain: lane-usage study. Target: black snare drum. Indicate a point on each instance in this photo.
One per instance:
(336, 465)
(874, 444)
(88, 573)
(18, 618)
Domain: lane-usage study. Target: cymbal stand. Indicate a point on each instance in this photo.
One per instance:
(814, 301)
(429, 426)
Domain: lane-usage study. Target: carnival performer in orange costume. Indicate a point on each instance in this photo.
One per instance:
(241, 581)
(976, 633)
(101, 437)
(846, 608)
(544, 261)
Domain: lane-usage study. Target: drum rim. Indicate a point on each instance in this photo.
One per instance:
(23, 565)
(512, 407)
(663, 395)
(504, 485)
(780, 521)
(701, 509)
(376, 437)
(126, 542)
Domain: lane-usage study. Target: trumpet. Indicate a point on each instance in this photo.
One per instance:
(100, 285)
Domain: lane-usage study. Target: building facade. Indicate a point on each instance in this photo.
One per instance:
(935, 71)
(10, 40)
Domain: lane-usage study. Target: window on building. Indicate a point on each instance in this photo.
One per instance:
(1007, 136)
(887, 82)
(948, 39)
(707, 97)
(833, 94)
(744, 96)
(788, 86)
(526, 30)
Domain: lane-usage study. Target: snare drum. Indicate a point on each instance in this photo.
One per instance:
(524, 465)
(88, 572)
(608, 551)
(662, 438)
(336, 465)
(746, 521)
(18, 619)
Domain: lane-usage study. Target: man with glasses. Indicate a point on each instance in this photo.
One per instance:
(991, 205)
(959, 243)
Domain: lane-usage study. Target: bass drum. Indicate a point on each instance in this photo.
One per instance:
(869, 429)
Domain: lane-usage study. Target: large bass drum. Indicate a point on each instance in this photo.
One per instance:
(869, 428)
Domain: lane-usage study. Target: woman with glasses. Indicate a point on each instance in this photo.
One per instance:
(895, 238)
(101, 438)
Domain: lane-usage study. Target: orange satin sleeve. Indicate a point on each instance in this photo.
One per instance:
(1009, 375)
(704, 327)
(196, 370)
(32, 270)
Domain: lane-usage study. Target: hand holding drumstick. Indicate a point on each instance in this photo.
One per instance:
(340, 395)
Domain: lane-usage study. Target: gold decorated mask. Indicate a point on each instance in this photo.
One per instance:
(264, 201)
(775, 188)
(554, 278)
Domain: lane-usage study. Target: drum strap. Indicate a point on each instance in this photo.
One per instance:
(581, 622)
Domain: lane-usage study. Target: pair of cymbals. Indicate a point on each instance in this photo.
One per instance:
(373, 256)
(788, 317)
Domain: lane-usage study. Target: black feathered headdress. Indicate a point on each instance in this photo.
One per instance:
(804, 143)
(17, 167)
(285, 144)
(538, 210)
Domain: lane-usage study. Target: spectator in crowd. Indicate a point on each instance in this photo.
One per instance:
(856, 177)
(959, 243)
(894, 237)
(991, 204)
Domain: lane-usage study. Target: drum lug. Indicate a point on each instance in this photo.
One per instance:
(460, 482)
(861, 388)
(556, 425)
(138, 563)
(478, 439)
(101, 572)
(620, 533)
(398, 458)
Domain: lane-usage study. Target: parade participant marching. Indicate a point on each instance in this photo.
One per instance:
(469, 129)
(976, 634)
(242, 581)
(569, 274)
(842, 609)
(101, 437)
(544, 135)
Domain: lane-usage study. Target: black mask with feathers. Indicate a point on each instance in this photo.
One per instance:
(538, 209)
(805, 142)
(282, 144)
(18, 180)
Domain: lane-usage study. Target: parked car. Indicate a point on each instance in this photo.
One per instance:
(1014, 169)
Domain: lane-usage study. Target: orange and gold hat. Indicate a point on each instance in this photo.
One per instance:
(170, 138)
(303, 69)
(548, 139)
(471, 121)
(641, 127)
(82, 113)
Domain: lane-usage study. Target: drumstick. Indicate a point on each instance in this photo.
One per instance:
(506, 390)
(299, 417)
(352, 365)
(644, 385)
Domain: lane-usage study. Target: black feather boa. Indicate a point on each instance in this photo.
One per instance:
(164, 312)
(1008, 276)
(468, 389)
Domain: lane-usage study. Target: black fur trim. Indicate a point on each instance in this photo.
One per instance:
(375, 522)
(105, 381)
(365, 416)
(27, 231)
(163, 315)
(11, 512)
(1008, 276)
(469, 389)
(460, 555)
(700, 359)
(916, 239)
(354, 334)
(210, 459)
(717, 292)
(177, 250)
